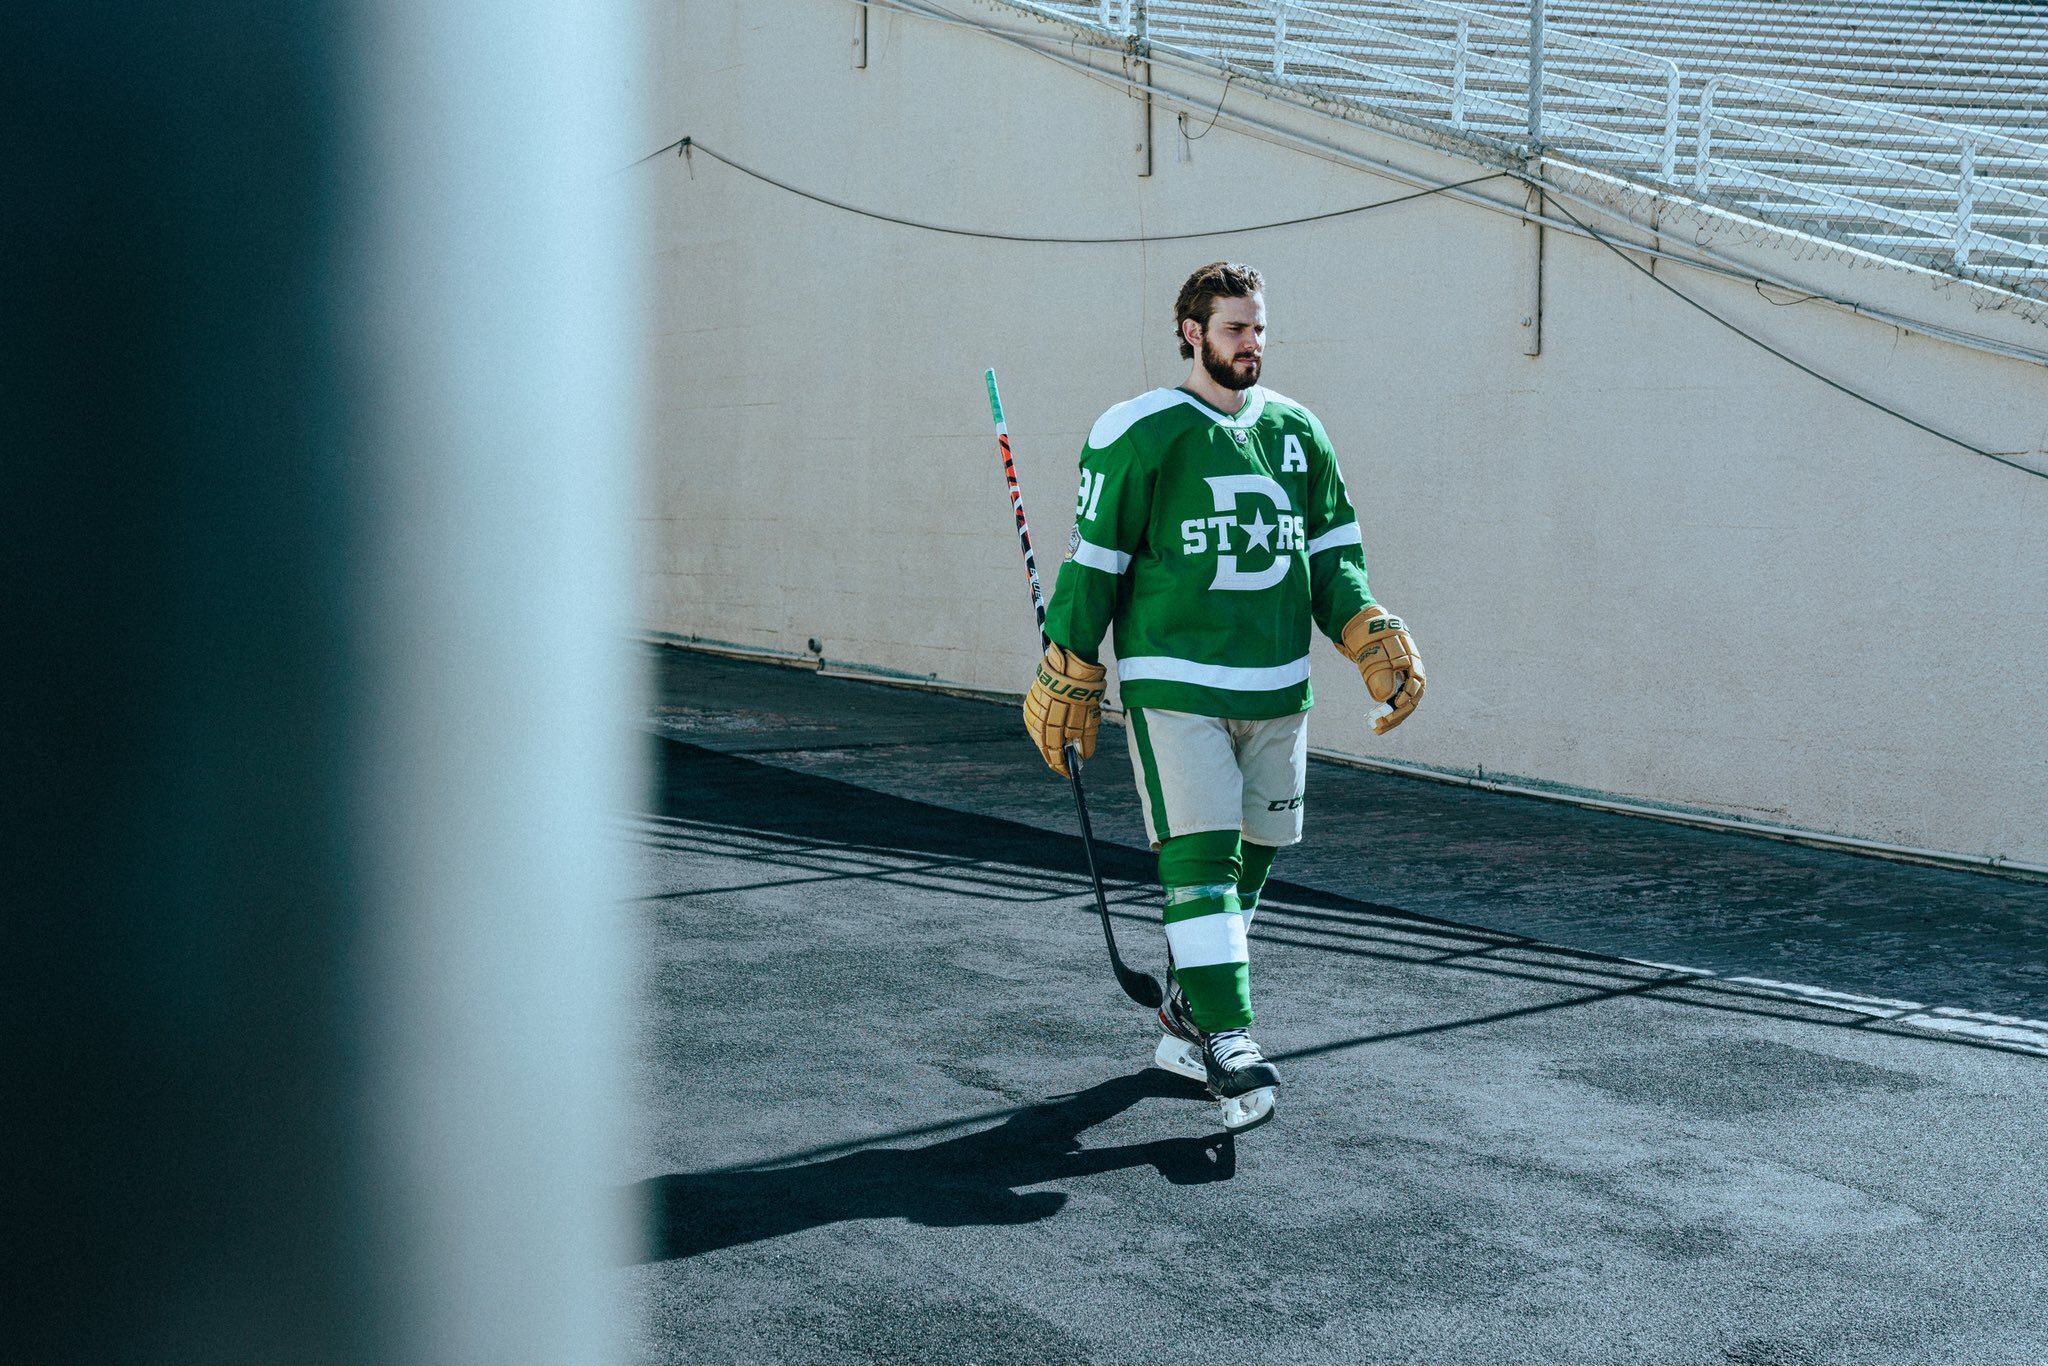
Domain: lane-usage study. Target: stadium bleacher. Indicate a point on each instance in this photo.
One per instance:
(1911, 129)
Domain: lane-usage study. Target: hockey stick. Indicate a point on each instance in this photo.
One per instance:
(1141, 987)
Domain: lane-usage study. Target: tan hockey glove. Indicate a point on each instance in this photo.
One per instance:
(1378, 644)
(1064, 706)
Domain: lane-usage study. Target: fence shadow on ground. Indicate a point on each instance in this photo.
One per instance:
(800, 828)
(702, 785)
(811, 828)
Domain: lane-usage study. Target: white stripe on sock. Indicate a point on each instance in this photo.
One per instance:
(1208, 940)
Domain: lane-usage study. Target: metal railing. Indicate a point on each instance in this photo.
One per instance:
(1463, 66)
(1453, 61)
(1905, 161)
(1951, 195)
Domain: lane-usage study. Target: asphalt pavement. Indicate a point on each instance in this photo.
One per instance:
(1561, 1086)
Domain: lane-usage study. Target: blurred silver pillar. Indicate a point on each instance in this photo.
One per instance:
(317, 358)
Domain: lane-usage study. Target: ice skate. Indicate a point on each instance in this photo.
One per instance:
(1228, 1063)
(1180, 1042)
(1241, 1078)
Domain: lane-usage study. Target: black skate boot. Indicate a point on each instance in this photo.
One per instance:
(1241, 1078)
(1180, 1039)
(1174, 1017)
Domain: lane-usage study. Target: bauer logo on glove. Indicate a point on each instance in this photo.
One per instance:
(1060, 686)
(1064, 706)
(1378, 644)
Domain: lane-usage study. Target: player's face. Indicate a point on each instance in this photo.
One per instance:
(1234, 342)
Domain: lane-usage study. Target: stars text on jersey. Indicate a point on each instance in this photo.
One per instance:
(1280, 537)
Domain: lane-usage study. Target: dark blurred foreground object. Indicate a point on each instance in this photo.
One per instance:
(313, 478)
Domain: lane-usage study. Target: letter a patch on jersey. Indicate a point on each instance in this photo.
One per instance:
(1292, 457)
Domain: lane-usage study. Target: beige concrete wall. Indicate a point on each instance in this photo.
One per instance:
(1652, 562)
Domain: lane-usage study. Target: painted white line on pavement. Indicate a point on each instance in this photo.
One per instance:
(1882, 1007)
(2008, 1031)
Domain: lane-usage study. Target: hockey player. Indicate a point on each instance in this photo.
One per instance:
(1212, 531)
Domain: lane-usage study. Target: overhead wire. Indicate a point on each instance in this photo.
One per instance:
(1700, 258)
(1705, 261)
(1621, 250)
(1458, 190)
(684, 146)
(1214, 114)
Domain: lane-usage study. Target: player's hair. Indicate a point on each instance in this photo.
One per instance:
(1198, 296)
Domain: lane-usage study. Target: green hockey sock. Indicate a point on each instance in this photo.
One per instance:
(1205, 926)
(1258, 862)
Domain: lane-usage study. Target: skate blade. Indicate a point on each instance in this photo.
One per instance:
(1247, 1111)
(1180, 1057)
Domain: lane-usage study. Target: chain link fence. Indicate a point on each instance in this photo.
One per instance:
(1914, 130)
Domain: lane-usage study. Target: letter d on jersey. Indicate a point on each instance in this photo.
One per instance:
(1227, 488)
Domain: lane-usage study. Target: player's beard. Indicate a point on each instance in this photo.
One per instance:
(1226, 372)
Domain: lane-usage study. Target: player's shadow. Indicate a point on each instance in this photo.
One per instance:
(978, 1178)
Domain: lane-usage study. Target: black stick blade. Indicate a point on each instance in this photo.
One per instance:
(1141, 987)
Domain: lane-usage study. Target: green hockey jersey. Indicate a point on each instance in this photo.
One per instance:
(1211, 543)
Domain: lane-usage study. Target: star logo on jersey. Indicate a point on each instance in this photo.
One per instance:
(1259, 531)
(1228, 490)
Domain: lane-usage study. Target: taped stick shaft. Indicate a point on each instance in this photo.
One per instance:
(995, 408)
(1141, 987)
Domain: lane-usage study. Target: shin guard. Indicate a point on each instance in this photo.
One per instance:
(1205, 926)
(1258, 862)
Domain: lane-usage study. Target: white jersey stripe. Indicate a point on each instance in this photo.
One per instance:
(1167, 669)
(1334, 537)
(1208, 940)
(1100, 557)
(1129, 413)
